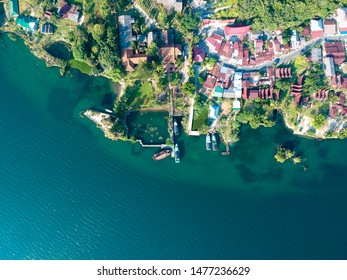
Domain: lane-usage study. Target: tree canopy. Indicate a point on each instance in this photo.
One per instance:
(274, 14)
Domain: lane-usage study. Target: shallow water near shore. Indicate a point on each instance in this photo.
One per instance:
(69, 193)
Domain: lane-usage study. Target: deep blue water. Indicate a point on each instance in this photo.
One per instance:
(69, 193)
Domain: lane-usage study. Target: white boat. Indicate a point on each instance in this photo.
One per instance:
(177, 154)
(208, 142)
(176, 129)
(214, 142)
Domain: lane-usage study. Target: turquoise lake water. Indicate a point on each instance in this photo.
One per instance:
(69, 193)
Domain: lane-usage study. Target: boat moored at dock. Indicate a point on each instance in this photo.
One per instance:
(162, 154)
(208, 142)
(176, 129)
(214, 142)
(177, 154)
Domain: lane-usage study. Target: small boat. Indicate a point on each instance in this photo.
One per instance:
(162, 154)
(208, 142)
(214, 142)
(176, 129)
(177, 154)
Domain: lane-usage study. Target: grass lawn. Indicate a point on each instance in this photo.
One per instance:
(82, 66)
(145, 98)
(200, 117)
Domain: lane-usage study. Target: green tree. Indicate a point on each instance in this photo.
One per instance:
(318, 121)
(98, 32)
(152, 49)
(188, 88)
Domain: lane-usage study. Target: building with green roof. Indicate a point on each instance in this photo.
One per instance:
(14, 8)
(27, 23)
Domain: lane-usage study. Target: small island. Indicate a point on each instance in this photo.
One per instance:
(202, 67)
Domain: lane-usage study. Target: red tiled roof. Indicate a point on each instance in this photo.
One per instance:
(245, 93)
(278, 95)
(217, 37)
(297, 99)
(226, 49)
(233, 30)
(210, 82)
(306, 32)
(317, 34)
(216, 70)
(253, 93)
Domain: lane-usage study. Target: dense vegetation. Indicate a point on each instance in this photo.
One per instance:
(275, 14)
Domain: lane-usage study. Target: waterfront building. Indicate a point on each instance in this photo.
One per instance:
(14, 8)
(27, 23)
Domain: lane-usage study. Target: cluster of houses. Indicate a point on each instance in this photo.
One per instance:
(133, 56)
(232, 44)
(31, 24)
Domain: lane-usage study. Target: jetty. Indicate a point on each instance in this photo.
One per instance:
(227, 150)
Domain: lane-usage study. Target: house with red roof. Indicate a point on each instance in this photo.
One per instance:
(258, 45)
(321, 95)
(216, 70)
(329, 27)
(253, 94)
(335, 50)
(306, 32)
(214, 42)
(210, 82)
(241, 31)
(226, 49)
(69, 11)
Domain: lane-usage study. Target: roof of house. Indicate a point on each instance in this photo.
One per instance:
(336, 50)
(217, 21)
(216, 70)
(253, 93)
(130, 59)
(329, 66)
(213, 112)
(210, 82)
(218, 91)
(316, 25)
(170, 53)
(177, 5)
(236, 105)
(198, 54)
(69, 11)
(47, 28)
(236, 30)
(306, 31)
(27, 22)
(329, 27)
(216, 41)
(125, 31)
(14, 8)
(317, 34)
(226, 49)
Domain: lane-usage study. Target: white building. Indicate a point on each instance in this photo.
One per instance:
(329, 66)
(294, 40)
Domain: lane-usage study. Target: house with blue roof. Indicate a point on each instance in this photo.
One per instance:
(14, 8)
(29, 24)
